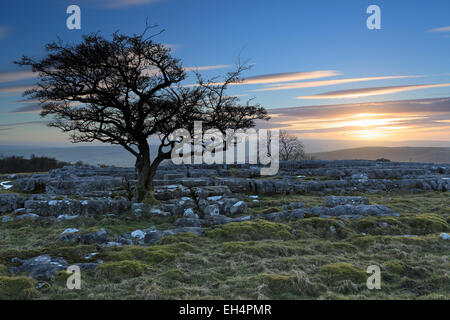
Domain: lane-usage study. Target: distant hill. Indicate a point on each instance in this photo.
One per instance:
(403, 154)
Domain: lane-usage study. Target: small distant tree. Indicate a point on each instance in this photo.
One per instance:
(291, 148)
(124, 90)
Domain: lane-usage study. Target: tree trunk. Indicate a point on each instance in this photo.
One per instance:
(146, 172)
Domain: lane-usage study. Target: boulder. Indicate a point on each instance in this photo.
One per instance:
(42, 267)
(239, 207)
(9, 202)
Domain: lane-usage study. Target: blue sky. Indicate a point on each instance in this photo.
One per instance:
(318, 40)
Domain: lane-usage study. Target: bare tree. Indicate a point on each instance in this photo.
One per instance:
(124, 90)
(291, 148)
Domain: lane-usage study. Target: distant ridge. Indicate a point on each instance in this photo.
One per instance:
(402, 154)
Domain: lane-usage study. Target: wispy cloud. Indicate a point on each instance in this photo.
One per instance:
(290, 76)
(204, 68)
(16, 75)
(30, 108)
(9, 126)
(282, 77)
(11, 89)
(440, 29)
(365, 92)
(311, 84)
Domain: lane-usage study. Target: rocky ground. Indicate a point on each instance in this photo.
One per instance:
(227, 233)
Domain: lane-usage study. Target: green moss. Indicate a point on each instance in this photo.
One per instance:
(61, 277)
(427, 223)
(394, 266)
(7, 255)
(267, 248)
(151, 255)
(339, 271)
(290, 286)
(72, 254)
(251, 230)
(330, 247)
(117, 271)
(17, 288)
(174, 275)
(186, 237)
(422, 242)
(150, 199)
(265, 210)
(322, 228)
(3, 270)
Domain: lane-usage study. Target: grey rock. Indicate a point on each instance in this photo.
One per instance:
(138, 234)
(284, 215)
(189, 212)
(67, 217)
(333, 201)
(9, 202)
(189, 222)
(153, 237)
(31, 216)
(211, 210)
(239, 208)
(42, 267)
(208, 191)
(100, 237)
(445, 236)
(70, 230)
(7, 219)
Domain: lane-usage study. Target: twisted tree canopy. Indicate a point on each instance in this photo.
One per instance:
(126, 89)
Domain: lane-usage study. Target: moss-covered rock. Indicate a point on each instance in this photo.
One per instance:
(339, 271)
(17, 288)
(117, 271)
(251, 230)
(8, 254)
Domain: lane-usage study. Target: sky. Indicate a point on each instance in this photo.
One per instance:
(317, 68)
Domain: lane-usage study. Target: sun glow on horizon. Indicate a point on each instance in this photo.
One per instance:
(357, 126)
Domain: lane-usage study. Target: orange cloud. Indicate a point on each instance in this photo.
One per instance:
(365, 92)
(321, 83)
(282, 77)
